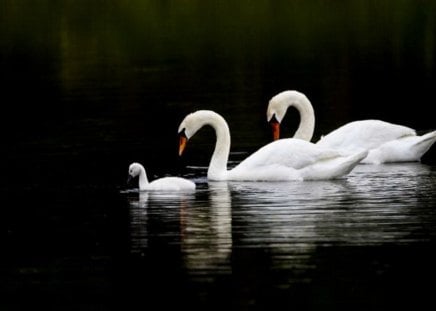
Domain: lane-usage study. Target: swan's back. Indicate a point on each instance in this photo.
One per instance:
(290, 152)
(366, 134)
(171, 184)
(295, 159)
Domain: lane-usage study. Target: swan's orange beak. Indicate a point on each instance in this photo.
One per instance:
(182, 143)
(275, 126)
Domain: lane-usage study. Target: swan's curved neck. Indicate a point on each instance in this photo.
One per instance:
(218, 163)
(307, 118)
(143, 180)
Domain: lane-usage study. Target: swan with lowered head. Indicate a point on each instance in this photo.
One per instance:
(385, 142)
(285, 159)
(161, 184)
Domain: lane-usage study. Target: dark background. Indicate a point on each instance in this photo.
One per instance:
(102, 83)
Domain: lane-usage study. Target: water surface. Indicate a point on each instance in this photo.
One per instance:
(337, 243)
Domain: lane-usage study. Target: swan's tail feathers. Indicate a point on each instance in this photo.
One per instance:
(334, 168)
(431, 137)
(424, 144)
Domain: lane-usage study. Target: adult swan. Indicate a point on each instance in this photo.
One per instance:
(386, 142)
(285, 159)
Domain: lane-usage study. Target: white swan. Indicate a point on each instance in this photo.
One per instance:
(386, 142)
(162, 184)
(285, 159)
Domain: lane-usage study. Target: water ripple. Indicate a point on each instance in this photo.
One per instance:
(374, 205)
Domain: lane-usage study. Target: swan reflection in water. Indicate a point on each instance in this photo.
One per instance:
(156, 213)
(203, 225)
(206, 231)
(374, 205)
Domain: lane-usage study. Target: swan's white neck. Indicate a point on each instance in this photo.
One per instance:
(307, 117)
(143, 180)
(218, 163)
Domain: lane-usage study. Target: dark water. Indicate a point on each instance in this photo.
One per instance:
(89, 86)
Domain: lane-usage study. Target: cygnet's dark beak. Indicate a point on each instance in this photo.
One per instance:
(129, 179)
(275, 126)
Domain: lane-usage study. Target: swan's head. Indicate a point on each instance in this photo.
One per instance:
(134, 170)
(277, 107)
(192, 123)
(187, 129)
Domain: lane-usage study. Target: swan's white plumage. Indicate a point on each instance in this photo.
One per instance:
(286, 159)
(170, 184)
(385, 142)
(366, 134)
(404, 149)
(161, 184)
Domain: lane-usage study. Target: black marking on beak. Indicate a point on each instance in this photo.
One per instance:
(274, 119)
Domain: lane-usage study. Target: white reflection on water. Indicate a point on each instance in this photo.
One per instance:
(204, 225)
(207, 232)
(166, 206)
(374, 205)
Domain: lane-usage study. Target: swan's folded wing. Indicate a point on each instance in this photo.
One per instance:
(365, 134)
(290, 153)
